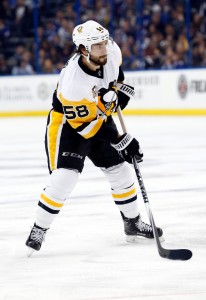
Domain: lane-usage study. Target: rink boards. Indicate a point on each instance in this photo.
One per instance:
(171, 92)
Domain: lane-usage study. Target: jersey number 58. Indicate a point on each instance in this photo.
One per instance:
(73, 112)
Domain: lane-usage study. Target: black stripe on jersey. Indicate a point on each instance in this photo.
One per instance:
(51, 211)
(99, 73)
(57, 105)
(121, 75)
(108, 132)
(126, 201)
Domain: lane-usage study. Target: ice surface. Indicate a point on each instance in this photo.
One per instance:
(85, 255)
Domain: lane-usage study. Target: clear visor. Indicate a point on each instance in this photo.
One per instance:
(102, 48)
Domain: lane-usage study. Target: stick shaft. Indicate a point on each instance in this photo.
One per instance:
(119, 112)
(141, 185)
(174, 254)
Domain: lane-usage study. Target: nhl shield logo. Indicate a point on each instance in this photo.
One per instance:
(182, 86)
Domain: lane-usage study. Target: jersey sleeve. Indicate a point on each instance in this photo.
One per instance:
(79, 102)
(78, 95)
(117, 54)
(56, 104)
(82, 116)
(121, 75)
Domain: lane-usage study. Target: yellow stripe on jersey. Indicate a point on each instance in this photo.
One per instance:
(53, 129)
(51, 202)
(101, 105)
(95, 128)
(124, 195)
(80, 112)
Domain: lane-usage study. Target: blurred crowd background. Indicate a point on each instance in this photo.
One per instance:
(36, 35)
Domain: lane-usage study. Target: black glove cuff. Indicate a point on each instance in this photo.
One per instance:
(124, 142)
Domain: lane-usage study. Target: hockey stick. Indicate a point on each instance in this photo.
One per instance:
(175, 254)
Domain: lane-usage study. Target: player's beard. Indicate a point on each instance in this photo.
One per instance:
(98, 61)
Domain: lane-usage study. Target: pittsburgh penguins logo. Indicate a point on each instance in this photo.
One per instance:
(80, 29)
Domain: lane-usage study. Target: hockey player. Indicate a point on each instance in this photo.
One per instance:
(80, 124)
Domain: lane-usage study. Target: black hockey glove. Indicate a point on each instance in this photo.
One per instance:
(125, 92)
(128, 148)
(107, 99)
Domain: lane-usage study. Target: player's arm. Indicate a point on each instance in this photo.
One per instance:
(56, 104)
(107, 99)
(82, 116)
(125, 91)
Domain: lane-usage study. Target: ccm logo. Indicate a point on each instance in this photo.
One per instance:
(72, 155)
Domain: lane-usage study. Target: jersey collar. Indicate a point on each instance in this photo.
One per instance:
(98, 73)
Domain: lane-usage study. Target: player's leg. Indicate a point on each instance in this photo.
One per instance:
(123, 188)
(122, 180)
(58, 188)
(66, 152)
(119, 174)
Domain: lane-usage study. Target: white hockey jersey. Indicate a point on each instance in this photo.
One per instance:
(78, 91)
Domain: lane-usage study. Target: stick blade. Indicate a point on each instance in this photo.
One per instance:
(179, 254)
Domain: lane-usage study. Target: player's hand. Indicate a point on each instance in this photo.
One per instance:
(107, 99)
(125, 92)
(129, 148)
